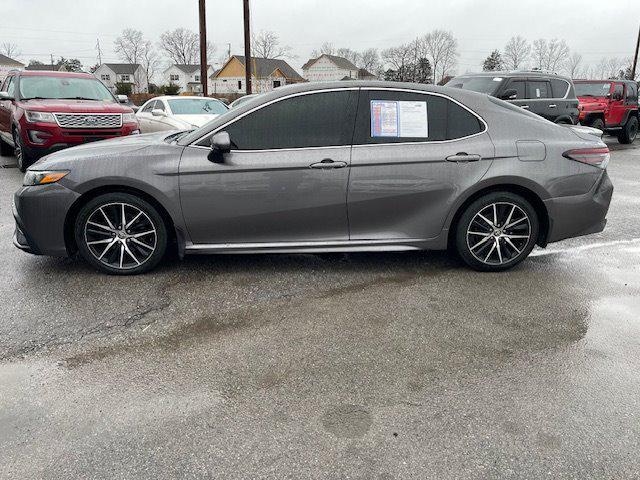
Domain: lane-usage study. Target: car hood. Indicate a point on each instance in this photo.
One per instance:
(74, 106)
(592, 102)
(106, 149)
(196, 120)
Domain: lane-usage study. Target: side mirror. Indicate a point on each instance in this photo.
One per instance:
(220, 144)
(5, 96)
(510, 94)
(123, 98)
(156, 112)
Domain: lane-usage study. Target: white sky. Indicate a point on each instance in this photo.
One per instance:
(70, 28)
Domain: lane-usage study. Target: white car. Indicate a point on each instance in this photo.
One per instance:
(178, 113)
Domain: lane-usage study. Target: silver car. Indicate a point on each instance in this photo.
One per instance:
(333, 167)
(178, 113)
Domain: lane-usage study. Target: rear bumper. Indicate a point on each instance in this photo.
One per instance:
(40, 214)
(580, 214)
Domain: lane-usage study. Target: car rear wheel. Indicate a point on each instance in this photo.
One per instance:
(120, 234)
(629, 131)
(496, 232)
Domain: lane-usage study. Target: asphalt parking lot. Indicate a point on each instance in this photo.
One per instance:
(365, 366)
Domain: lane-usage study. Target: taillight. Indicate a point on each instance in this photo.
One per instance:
(598, 157)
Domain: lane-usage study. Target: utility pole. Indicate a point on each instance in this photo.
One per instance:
(99, 52)
(203, 49)
(247, 47)
(635, 58)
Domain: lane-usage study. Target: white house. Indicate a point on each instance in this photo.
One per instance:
(267, 74)
(7, 64)
(187, 77)
(327, 68)
(112, 73)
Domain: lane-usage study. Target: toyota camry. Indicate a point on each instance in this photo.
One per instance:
(324, 167)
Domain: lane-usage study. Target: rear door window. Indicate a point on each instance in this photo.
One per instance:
(387, 116)
(538, 89)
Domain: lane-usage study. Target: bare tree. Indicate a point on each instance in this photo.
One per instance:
(132, 47)
(351, 55)
(370, 60)
(441, 48)
(11, 50)
(181, 46)
(327, 48)
(397, 58)
(550, 55)
(267, 45)
(573, 64)
(516, 53)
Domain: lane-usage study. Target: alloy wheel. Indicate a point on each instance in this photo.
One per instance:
(498, 233)
(120, 235)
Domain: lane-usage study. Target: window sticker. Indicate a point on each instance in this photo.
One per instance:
(399, 119)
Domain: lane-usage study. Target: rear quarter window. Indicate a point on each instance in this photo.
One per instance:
(559, 87)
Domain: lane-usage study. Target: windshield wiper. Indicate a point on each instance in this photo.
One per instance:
(35, 98)
(80, 98)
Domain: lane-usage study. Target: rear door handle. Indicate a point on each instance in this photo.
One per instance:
(526, 107)
(462, 157)
(328, 164)
(553, 105)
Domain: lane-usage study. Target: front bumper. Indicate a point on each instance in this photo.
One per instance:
(40, 214)
(580, 215)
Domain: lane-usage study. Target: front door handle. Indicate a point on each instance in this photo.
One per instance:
(526, 107)
(462, 157)
(553, 105)
(328, 164)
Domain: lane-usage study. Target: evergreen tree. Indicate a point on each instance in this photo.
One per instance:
(493, 62)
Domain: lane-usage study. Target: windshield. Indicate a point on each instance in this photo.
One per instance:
(597, 89)
(64, 88)
(483, 84)
(197, 106)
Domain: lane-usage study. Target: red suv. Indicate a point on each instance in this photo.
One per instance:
(41, 112)
(609, 105)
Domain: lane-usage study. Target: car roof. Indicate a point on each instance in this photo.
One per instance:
(608, 80)
(28, 73)
(516, 74)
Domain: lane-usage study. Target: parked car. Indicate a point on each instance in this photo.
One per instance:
(41, 112)
(124, 100)
(333, 167)
(242, 100)
(549, 95)
(178, 113)
(609, 105)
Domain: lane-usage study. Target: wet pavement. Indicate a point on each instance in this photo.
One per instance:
(366, 366)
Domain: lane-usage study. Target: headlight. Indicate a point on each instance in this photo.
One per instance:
(129, 118)
(43, 117)
(43, 177)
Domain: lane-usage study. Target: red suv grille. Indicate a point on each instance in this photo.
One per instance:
(89, 120)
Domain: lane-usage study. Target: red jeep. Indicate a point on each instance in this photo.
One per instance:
(41, 112)
(609, 105)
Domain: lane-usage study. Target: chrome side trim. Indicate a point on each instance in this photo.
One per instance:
(320, 246)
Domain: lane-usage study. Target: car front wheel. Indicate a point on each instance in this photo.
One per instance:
(120, 234)
(497, 231)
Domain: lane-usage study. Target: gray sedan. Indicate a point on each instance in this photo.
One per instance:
(334, 167)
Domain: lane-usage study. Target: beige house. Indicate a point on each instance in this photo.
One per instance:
(268, 73)
(328, 68)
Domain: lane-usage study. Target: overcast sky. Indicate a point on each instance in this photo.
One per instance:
(70, 28)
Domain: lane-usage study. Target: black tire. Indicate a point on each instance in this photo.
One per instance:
(126, 255)
(6, 150)
(597, 123)
(629, 132)
(23, 158)
(492, 249)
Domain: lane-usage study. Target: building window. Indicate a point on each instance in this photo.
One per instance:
(197, 78)
(239, 84)
(105, 77)
(174, 78)
(124, 77)
(276, 83)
